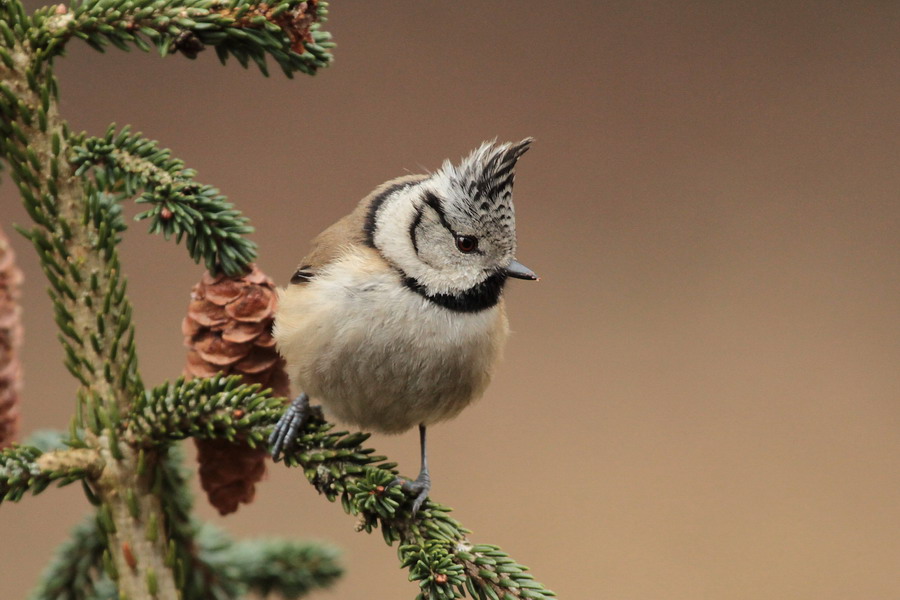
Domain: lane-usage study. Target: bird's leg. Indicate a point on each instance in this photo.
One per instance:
(284, 435)
(422, 484)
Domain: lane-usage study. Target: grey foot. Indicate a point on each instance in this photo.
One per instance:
(284, 435)
(417, 488)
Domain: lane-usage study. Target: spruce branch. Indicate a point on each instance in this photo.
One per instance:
(287, 30)
(288, 568)
(212, 572)
(433, 546)
(76, 572)
(124, 163)
(195, 579)
(75, 233)
(26, 469)
(215, 567)
(216, 407)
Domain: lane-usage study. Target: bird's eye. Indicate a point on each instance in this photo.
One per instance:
(466, 243)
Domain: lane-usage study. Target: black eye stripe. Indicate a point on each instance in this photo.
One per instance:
(413, 226)
(434, 202)
(464, 243)
(372, 214)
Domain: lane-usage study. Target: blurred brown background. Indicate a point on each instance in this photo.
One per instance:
(700, 399)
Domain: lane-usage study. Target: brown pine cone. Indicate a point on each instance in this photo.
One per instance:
(228, 329)
(10, 341)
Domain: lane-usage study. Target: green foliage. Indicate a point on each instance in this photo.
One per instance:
(432, 545)
(492, 574)
(287, 31)
(195, 581)
(219, 407)
(47, 440)
(75, 572)
(212, 568)
(124, 163)
(218, 568)
(106, 350)
(373, 496)
(288, 568)
(20, 473)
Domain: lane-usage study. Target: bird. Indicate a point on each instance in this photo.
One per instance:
(395, 318)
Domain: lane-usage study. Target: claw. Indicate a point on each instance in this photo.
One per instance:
(418, 488)
(422, 484)
(284, 435)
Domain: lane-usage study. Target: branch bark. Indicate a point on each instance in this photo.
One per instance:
(76, 459)
(76, 241)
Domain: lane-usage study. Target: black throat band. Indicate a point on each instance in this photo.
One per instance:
(477, 298)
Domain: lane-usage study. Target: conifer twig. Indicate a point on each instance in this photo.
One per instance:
(76, 570)
(286, 30)
(432, 545)
(27, 469)
(288, 568)
(124, 163)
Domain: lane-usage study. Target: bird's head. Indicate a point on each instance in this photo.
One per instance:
(453, 232)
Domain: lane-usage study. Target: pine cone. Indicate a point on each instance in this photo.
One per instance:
(10, 341)
(228, 329)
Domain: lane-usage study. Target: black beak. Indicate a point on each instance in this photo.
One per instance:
(520, 271)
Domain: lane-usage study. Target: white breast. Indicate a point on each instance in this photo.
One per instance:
(377, 354)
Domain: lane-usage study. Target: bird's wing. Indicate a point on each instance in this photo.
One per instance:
(329, 245)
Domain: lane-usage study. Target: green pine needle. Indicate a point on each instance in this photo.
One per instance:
(75, 572)
(288, 568)
(288, 31)
(217, 407)
(20, 472)
(126, 164)
(433, 545)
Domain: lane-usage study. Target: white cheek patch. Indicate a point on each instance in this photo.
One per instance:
(429, 262)
(391, 235)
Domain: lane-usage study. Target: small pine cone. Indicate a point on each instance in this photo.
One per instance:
(10, 341)
(228, 329)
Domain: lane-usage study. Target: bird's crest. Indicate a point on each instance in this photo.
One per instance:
(485, 177)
